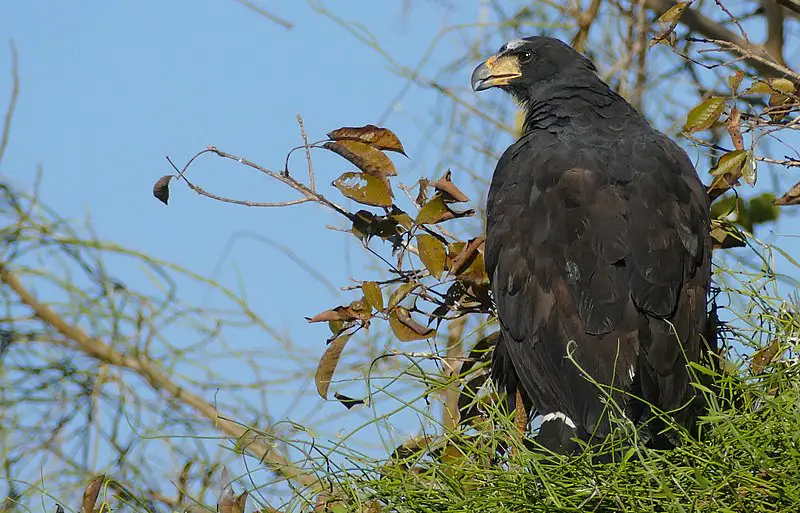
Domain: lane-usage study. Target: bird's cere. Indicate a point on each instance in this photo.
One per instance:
(557, 415)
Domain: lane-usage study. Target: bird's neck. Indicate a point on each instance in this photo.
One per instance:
(557, 102)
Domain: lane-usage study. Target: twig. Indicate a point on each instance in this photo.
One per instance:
(308, 152)
(12, 104)
(268, 15)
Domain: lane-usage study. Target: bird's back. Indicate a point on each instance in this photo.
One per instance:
(597, 234)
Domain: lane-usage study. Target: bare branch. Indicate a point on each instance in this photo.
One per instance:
(12, 103)
(100, 350)
(775, 38)
(268, 15)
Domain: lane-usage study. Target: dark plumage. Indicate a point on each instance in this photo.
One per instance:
(597, 233)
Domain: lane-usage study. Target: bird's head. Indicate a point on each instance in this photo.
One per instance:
(523, 64)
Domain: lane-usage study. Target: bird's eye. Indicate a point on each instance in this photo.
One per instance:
(525, 57)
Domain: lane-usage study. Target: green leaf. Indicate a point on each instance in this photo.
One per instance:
(749, 169)
(674, 13)
(372, 293)
(432, 253)
(364, 188)
(705, 114)
(730, 163)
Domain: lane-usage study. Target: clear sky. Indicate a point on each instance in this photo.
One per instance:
(109, 88)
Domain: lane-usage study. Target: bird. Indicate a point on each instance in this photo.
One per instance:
(598, 254)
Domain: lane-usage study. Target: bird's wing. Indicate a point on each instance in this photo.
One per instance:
(575, 255)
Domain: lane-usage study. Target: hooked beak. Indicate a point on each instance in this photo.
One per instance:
(498, 70)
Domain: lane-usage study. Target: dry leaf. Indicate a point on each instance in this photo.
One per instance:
(327, 364)
(437, 211)
(735, 128)
(432, 253)
(450, 193)
(407, 329)
(161, 189)
(734, 81)
(363, 156)
(91, 492)
(379, 138)
(400, 294)
(364, 188)
(792, 196)
(764, 357)
(347, 402)
(372, 293)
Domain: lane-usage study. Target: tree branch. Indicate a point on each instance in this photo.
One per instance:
(101, 351)
(697, 22)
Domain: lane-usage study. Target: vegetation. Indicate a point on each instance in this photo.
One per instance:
(75, 338)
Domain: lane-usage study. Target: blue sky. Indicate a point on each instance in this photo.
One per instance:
(109, 88)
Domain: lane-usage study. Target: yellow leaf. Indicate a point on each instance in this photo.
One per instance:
(770, 86)
(372, 292)
(674, 13)
(730, 163)
(363, 156)
(436, 211)
(364, 188)
(400, 294)
(432, 253)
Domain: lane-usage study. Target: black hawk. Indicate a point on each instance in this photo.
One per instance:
(598, 252)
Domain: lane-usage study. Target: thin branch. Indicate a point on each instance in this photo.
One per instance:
(699, 23)
(12, 104)
(268, 15)
(100, 350)
(585, 20)
(308, 152)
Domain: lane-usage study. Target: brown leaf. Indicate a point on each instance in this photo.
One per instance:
(734, 81)
(792, 196)
(764, 357)
(347, 402)
(357, 310)
(432, 253)
(735, 128)
(363, 156)
(367, 225)
(725, 235)
(780, 105)
(437, 211)
(450, 193)
(240, 503)
(466, 261)
(400, 294)
(372, 293)
(364, 188)
(466, 255)
(407, 329)
(379, 138)
(704, 115)
(91, 492)
(161, 189)
(327, 364)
